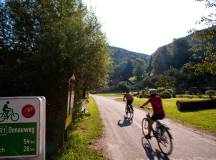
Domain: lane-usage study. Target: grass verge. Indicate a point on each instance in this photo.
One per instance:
(83, 134)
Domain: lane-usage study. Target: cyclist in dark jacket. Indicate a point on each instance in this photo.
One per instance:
(129, 97)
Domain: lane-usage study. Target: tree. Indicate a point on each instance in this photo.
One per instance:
(180, 51)
(128, 70)
(207, 42)
(42, 43)
(160, 60)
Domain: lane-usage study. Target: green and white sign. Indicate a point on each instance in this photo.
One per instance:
(22, 127)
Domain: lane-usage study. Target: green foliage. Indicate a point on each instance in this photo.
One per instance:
(164, 81)
(144, 94)
(147, 82)
(42, 43)
(83, 133)
(186, 106)
(127, 63)
(128, 70)
(161, 89)
(206, 42)
(206, 45)
(211, 93)
(139, 68)
(176, 64)
(165, 94)
(175, 55)
(123, 86)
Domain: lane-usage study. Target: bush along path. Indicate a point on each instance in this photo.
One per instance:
(82, 136)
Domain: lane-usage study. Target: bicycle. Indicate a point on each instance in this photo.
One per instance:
(13, 116)
(129, 112)
(161, 133)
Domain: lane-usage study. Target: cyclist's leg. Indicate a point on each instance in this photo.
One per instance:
(130, 104)
(126, 108)
(150, 124)
(156, 117)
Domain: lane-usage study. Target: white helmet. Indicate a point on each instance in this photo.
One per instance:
(152, 91)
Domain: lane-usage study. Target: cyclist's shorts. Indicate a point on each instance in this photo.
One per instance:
(156, 117)
(129, 102)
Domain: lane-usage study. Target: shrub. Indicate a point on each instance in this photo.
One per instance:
(172, 93)
(161, 89)
(195, 105)
(210, 93)
(165, 94)
(188, 92)
(144, 94)
(123, 86)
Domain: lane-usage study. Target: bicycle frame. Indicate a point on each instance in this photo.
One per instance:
(129, 112)
(160, 132)
(10, 115)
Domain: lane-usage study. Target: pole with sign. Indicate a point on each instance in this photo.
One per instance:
(22, 127)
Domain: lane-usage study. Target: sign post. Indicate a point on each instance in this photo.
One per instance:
(22, 128)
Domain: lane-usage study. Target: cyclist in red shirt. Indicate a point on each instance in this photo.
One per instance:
(158, 112)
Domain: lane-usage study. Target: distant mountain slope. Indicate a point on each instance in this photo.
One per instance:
(120, 54)
(173, 55)
(127, 63)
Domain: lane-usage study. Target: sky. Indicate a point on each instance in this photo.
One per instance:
(144, 25)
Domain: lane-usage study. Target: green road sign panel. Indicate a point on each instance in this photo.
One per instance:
(22, 127)
(18, 139)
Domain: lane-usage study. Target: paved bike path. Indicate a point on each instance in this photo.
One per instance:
(124, 141)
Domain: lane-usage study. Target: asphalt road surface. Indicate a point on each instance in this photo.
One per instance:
(124, 140)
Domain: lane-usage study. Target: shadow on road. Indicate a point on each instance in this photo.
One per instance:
(125, 122)
(150, 153)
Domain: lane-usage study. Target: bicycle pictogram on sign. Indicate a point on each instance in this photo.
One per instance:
(7, 113)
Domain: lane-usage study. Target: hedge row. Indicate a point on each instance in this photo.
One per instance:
(196, 105)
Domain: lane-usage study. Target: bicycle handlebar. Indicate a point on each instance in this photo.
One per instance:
(146, 108)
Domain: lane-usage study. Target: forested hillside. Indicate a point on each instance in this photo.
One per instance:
(175, 55)
(127, 63)
(180, 64)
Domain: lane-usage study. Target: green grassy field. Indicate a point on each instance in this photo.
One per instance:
(82, 136)
(203, 119)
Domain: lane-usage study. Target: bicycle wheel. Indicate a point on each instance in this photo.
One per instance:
(2, 117)
(145, 126)
(14, 116)
(130, 113)
(164, 140)
(126, 110)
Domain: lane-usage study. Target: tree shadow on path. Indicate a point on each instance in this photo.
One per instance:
(150, 153)
(125, 122)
